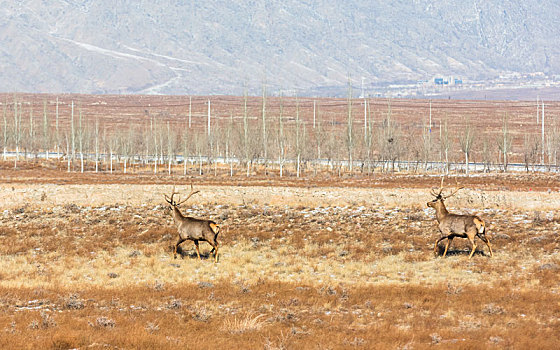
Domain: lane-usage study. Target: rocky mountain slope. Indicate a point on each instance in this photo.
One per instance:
(223, 47)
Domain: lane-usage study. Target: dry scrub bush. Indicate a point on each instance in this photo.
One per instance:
(242, 324)
(103, 322)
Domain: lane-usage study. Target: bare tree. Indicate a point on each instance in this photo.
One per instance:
(29, 141)
(200, 149)
(73, 133)
(389, 141)
(154, 140)
(350, 129)
(281, 139)
(553, 144)
(466, 141)
(186, 145)
(487, 152)
(17, 129)
(228, 146)
(505, 141)
(246, 145)
(298, 141)
(81, 139)
(5, 131)
(263, 128)
(46, 135)
(369, 139)
(320, 137)
(57, 135)
(170, 147)
(126, 147)
(426, 143)
(96, 133)
(445, 143)
(530, 150)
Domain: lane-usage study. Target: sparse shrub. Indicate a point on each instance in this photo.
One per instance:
(134, 254)
(537, 239)
(152, 327)
(355, 342)
(104, 322)
(416, 216)
(73, 303)
(549, 267)
(451, 289)
(493, 309)
(496, 340)
(174, 304)
(344, 295)
(159, 286)
(12, 328)
(71, 208)
(62, 343)
(243, 287)
(282, 342)
(329, 290)
(200, 313)
(20, 210)
(47, 321)
(436, 338)
(248, 323)
(204, 285)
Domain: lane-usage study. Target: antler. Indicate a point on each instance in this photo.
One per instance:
(176, 204)
(453, 193)
(433, 193)
(439, 193)
(170, 200)
(189, 196)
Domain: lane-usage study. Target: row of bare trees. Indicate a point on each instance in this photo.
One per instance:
(278, 142)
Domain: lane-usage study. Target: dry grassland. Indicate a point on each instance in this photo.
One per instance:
(89, 266)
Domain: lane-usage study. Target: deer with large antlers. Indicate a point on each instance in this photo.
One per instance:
(453, 225)
(193, 229)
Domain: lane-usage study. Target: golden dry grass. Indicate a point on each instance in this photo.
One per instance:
(322, 268)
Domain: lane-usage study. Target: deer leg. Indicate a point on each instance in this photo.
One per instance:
(177, 246)
(439, 240)
(216, 253)
(473, 245)
(197, 250)
(485, 240)
(449, 240)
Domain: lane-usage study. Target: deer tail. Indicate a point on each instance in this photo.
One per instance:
(480, 225)
(215, 227)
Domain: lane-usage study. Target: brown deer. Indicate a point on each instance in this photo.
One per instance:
(193, 229)
(453, 225)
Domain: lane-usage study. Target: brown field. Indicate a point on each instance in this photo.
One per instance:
(315, 263)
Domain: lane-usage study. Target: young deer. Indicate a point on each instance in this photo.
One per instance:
(193, 229)
(453, 225)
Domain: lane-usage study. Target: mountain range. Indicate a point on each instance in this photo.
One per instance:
(306, 47)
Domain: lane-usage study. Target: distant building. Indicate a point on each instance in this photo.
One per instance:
(448, 81)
